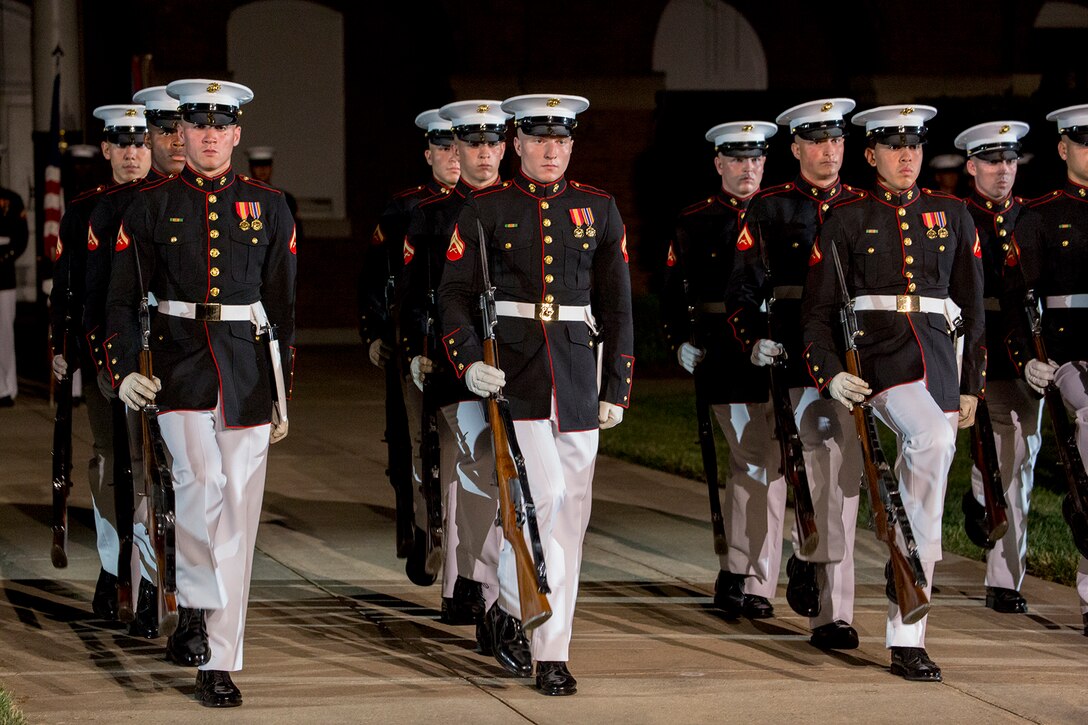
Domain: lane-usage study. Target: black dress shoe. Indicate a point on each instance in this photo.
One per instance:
(802, 591)
(1084, 618)
(466, 605)
(974, 521)
(834, 635)
(188, 645)
(104, 603)
(1006, 601)
(7, 402)
(214, 688)
(146, 621)
(912, 663)
(756, 607)
(415, 566)
(508, 643)
(553, 678)
(729, 594)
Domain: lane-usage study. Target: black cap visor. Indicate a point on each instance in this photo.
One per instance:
(743, 150)
(821, 130)
(996, 152)
(897, 136)
(210, 114)
(165, 121)
(546, 125)
(440, 138)
(481, 133)
(127, 136)
(1077, 134)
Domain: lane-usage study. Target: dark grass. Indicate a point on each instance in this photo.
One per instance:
(659, 431)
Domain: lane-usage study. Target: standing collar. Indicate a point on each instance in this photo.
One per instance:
(207, 184)
(806, 187)
(1075, 190)
(538, 189)
(896, 198)
(987, 204)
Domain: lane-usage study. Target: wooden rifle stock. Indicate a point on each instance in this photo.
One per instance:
(984, 453)
(1075, 504)
(62, 459)
(535, 609)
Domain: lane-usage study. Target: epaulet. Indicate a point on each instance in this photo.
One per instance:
(492, 189)
(777, 189)
(697, 206)
(259, 184)
(856, 195)
(433, 199)
(1040, 200)
(117, 188)
(93, 192)
(854, 190)
(411, 191)
(158, 182)
(941, 194)
(590, 189)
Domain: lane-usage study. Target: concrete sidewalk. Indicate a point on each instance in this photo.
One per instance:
(336, 632)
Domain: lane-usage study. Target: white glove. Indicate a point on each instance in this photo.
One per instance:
(848, 389)
(484, 379)
(279, 427)
(60, 366)
(420, 367)
(137, 391)
(1039, 374)
(689, 356)
(379, 353)
(765, 351)
(609, 415)
(968, 406)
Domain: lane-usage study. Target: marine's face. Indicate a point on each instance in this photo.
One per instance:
(128, 162)
(261, 172)
(208, 149)
(741, 177)
(820, 160)
(543, 158)
(167, 149)
(993, 179)
(1075, 156)
(897, 166)
(479, 161)
(444, 163)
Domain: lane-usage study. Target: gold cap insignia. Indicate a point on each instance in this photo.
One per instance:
(130, 111)
(1005, 129)
(907, 111)
(213, 87)
(483, 108)
(553, 102)
(746, 128)
(826, 107)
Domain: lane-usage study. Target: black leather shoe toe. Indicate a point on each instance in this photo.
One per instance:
(146, 622)
(729, 594)
(188, 645)
(466, 605)
(553, 678)
(802, 591)
(508, 643)
(215, 688)
(912, 663)
(835, 635)
(104, 603)
(1006, 601)
(756, 607)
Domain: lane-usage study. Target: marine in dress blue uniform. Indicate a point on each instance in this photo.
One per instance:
(217, 252)
(993, 153)
(1049, 258)
(912, 264)
(697, 270)
(779, 229)
(383, 260)
(558, 256)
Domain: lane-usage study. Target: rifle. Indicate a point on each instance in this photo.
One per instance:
(984, 453)
(706, 442)
(396, 436)
(159, 486)
(429, 451)
(785, 423)
(909, 577)
(62, 447)
(1075, 504)
(124, 504)
(516, 507)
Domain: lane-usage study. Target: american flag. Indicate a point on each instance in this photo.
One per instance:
(54, 193)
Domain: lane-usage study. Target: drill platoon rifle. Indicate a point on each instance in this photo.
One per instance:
(62, 444)
(516, 507)
(885, 499)
(984, 452)
(430, 450)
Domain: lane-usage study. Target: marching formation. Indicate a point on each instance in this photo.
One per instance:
(808, 313)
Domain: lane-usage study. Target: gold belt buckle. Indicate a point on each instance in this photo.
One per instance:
(545, 311)
(210, 311)
(907, 303)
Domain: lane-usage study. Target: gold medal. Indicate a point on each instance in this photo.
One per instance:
(256, 225)
(591, 232)
(578, 232)
(942, 233)
(243, 225)
(931, 233)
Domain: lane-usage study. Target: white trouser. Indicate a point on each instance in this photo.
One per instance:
(560, 470)
(468, 474)
(927, 443)
(1016, 414)
(218, 489)
(9, 380)
(1072, 381)
(754, 505)
(832, 453)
